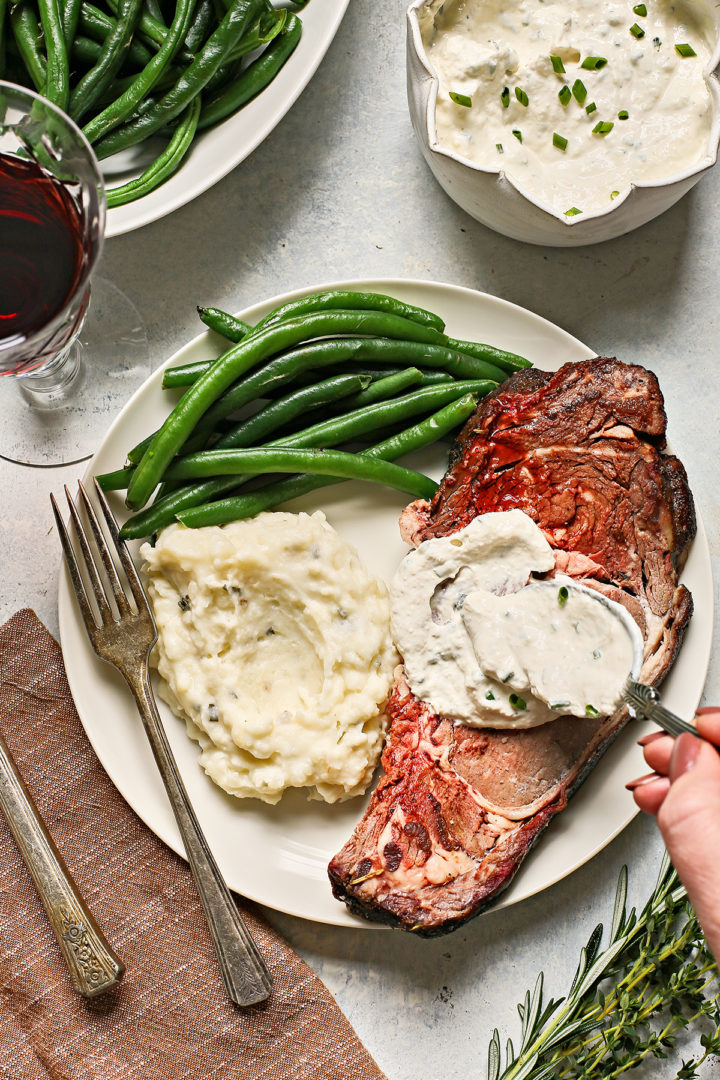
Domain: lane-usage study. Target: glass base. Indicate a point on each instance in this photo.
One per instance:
(48, 422)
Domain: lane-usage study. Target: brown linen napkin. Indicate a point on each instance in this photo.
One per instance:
(170, 1018)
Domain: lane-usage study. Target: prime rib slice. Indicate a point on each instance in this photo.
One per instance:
(459, 808)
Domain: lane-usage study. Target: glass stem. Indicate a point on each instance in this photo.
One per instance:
(48, 388)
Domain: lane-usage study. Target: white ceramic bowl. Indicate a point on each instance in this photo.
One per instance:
(488, 195)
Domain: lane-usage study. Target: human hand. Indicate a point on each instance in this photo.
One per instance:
(683, 792)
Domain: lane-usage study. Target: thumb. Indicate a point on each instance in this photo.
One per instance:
(689, 821)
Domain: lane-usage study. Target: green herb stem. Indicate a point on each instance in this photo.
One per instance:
(654, 978)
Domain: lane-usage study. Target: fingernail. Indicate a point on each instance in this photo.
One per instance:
(684, 755)
(651, 738)
(647, 779)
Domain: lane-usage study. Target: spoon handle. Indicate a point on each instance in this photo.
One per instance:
(94, 968)
(644, 701)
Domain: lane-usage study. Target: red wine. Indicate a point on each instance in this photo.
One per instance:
(41, 246)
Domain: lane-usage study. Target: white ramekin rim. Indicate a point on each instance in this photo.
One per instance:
(435, 147)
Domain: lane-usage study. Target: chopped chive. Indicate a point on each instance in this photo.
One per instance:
(640, 10)
(590, 108)
(637, 31)
(562, 596)
(499, 148)
(557, 705)
(614, 194)
(517, 134)
(560, 143)
(461, 99)
(590, 710)
(593, 63)
(508, 677)
(557, 64)
(518, 702)
(565, 95)
(579, 92)
(623, 114)
(685, 50)
(572, 211)
(522, 96)
(603, 127)
(505, 97)
(490, 696)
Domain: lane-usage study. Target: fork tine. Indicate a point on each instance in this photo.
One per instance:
(104, 551)
(73, 569)
(122, 551)
(97, 585)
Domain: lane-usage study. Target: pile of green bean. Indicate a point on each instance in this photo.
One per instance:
(360, 363)
(126, 70)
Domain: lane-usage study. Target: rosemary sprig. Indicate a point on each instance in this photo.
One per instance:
(654, 978)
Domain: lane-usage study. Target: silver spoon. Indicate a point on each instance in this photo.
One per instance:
(642, 700)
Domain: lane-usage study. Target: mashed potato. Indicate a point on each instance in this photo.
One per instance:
(274, 646)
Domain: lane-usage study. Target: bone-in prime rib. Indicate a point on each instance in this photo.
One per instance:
(458, 808)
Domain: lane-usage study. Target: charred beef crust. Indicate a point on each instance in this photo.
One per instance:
(459, 808)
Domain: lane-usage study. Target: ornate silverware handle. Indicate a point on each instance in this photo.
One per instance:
(243, 969)
(94, 967)
(645, 701)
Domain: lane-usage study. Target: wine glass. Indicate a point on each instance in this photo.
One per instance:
(52, 219)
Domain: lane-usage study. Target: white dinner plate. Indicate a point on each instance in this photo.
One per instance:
(215, 152)
(278, 854)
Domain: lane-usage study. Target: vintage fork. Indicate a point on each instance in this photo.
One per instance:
(125, 642)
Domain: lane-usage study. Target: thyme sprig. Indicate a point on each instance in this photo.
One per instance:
(654, 978)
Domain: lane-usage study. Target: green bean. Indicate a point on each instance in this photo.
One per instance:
(167, 163)
(93, 83)
(98, 26)
(268, 419)
(347, 299)
(70, 19)
(319, 436)
(26, 32)
(191, 82)
(119, 110)
(268, 26)
(251, 503)
(237, 395)
(278, 372)
(257, 347)
(350, 300)
(152, 30)
(508, 361)
(315, 462)
(369, 418)
(115, 481)
(410, 353)
(3, 5)
(201, 23)
(253, 79)
(153, 9)
(427, 376)
(226, 325)
(57, 82)
(382, 389)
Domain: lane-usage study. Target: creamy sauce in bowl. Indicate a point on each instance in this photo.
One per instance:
(487, 643)
(572, 101)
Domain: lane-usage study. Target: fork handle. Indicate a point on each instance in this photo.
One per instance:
(94, 967)
(243, 969)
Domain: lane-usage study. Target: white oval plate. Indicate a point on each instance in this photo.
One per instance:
(217, 151)
(278, 854)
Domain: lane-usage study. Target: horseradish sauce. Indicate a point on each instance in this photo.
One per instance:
(574, 101)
